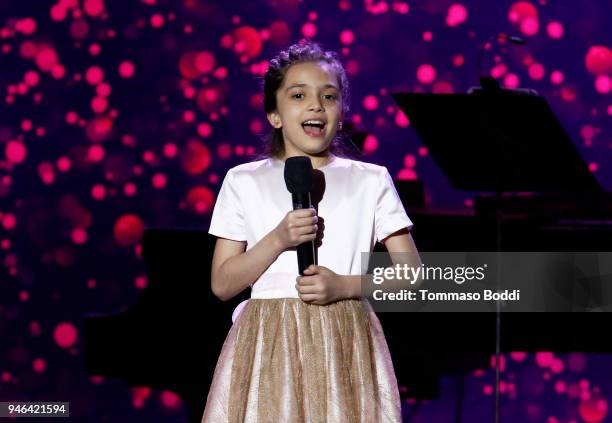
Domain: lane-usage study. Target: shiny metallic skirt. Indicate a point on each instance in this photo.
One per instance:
(285, 360)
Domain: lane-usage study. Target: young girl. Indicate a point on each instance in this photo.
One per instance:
(304, 348)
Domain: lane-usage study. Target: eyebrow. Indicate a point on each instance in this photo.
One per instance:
(301, 84)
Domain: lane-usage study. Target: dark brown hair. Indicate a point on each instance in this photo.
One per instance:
(303, 52)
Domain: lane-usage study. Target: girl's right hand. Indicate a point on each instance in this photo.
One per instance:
(297, 226)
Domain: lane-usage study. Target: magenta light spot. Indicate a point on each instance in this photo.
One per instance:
(128, 230)
(126, 69)
(58, 13)
(15, 152)
(554, 30)
(98, 192)
(130, 189)
(370, 144)
(103, 89)
(204, 62)
(95, 153)
(521, 10)
(94, 75)
(442, 87)
(458, 60)
(598, 60)
(407, 175)
(518, 356)
(250, 41)
(309, 30)
(200, 199)
(157, 20)
(31, 78)
(370, 102)
(400, 7)
(347, 37)
(9, 221)
(39, 365)
(502, 362)
(46, 59)
(24, 296)
(141, 282)
(26, 125)
(427, 36)
(224, 151)
(487, 390)
(93, 7)
(58, 71)
(568, 92)
(256, 126)
(46, 173)
(603, 84)
(99, 129)
(593, 410)
(95, 49)
(170, 150)
(409, 160)
(26, 26)
(560, 387)
(593, 167)
(209, 99)
(511, 80)
(170, 399)
(401, 119)
(195, 158)
(530, 26)
(204, 129)
(544, 358)
(189, 116)
(557, 366)
(65, 335)
(99, 104)
(159, 181)
(426, 74)
(456, 15)
(536, 71)
(556, 77)
(63, 164)
(79, 236)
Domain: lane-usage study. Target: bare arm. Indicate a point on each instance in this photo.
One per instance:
(234, 269)
(398, 242)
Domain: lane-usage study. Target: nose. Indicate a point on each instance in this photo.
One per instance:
(316, 106)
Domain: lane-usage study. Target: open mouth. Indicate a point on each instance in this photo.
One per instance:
(314, 128)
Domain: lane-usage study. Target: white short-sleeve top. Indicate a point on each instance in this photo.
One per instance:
(358, 206)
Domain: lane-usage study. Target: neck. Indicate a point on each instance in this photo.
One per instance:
(317, 161)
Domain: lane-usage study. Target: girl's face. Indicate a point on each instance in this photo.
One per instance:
(310, 91)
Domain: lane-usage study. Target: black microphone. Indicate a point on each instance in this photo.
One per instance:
(298, 178)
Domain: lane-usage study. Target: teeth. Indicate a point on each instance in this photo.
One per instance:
(320, 122)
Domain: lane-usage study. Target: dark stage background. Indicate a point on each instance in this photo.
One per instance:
(120, 115)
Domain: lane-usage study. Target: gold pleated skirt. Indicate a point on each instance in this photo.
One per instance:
(285, 360)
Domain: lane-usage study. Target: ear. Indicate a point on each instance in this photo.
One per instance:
(274, 119)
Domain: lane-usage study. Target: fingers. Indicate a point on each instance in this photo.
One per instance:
(304, 213)
(311, 298)
(307, 289)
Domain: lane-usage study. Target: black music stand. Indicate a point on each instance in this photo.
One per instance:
(500, 141)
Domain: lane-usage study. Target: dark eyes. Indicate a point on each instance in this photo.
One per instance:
(333, 96)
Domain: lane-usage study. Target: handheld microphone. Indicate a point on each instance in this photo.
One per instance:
(298, 178)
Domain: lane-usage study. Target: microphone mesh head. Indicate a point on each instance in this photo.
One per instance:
(298, 174)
